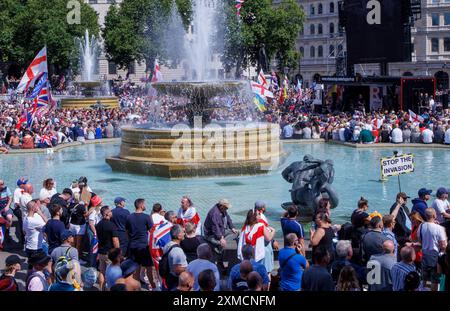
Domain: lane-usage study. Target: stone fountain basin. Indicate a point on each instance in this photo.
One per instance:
(88, 84)
(207, 89)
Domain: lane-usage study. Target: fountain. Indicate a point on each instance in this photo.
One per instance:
(91, 88)
(202, 146)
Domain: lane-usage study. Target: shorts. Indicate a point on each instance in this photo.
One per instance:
(78, 229)
(141, 256)
(431, 274)
(103, 263)
(5, 214)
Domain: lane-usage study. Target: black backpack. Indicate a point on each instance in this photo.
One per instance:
(164, 269)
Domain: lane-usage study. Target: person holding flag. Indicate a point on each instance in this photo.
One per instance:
(157, 75)
(188, 213)
(270, 245)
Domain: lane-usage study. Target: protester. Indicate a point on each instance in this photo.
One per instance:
(8, 281)
(185, 282)
(138, 226)
(386, 261)
(348, 281)
(292, 264)
(54, 228)
(119, 219)
(204, 254)
(33, 227)
(403, 225)
(207, 281)
(176, 257)
(37, 281)
(289, 224)
(400, 270)
(113, 271)
(372, 241)
(191, 241)
(317, 277)
(129, 268)
(420, 203)
(434, 240)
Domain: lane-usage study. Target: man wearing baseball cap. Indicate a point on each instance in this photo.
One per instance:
(119, 218)
(403, 225)
(420, 203)
(21, 182)
(8, 281)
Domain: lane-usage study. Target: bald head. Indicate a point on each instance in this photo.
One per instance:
(28, 188)
(388, 247)
(186, 281)
(408, 254)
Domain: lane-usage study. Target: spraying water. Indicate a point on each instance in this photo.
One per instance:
(198, 46)
(88, 56)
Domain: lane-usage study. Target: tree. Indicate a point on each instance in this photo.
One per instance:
(276, 27)
(29, 25)
(136, 30)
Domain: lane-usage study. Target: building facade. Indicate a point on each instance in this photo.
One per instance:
(321, 43)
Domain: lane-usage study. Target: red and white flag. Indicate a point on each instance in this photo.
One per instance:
(262, 79)
(415, 118)
(190, 215)
(261, 90)
(37, 67)
(157, 75)
(255, 237)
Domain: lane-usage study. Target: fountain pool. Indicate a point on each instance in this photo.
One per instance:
(357, 173)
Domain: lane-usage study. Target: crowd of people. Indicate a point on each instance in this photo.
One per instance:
(295, 115)
(75, 241)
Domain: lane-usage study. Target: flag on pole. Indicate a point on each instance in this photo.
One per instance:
(157, 75)
(415, 118)
(238, 7)
(261, 90)
(262, 79)
(260, 103)
(37, 67)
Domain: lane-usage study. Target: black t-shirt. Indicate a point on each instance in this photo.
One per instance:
(358, 218)
(56, 199)
(106, 231)
(53, 229)
(77, 214)
(138, 225)
(239, 285)
(189, 246)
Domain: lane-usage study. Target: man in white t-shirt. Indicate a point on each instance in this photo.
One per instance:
(441, 205)
(434, 240)
(447, 134)
(33, 225)
(396, 135)
(427, 135)
(26, 197)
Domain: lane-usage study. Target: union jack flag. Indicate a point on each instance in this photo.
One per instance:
(94, 246)
(45, 139)
(159, 237)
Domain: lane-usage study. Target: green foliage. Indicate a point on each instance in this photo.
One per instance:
(26, 26)
(136, 30)
(261, 22)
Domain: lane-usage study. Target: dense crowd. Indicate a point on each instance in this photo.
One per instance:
(74, 241)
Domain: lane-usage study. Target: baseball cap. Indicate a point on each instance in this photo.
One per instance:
(423, 192)
(441, 191)
(259, 205)
(118, 200)
(225, 202)
(12, 260)
(65, 235)
(128, 267)
(22, 181)
(403, 195)
(96, 201)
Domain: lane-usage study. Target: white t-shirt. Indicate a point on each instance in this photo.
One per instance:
(440, 206)
(447, 136)
(397, 135)
(341, 134)
(32, 226)
(17, 195)
(157, 218)
(430, 235)
(44, 193)
(23, 201)
(427, 136)
(95, 216)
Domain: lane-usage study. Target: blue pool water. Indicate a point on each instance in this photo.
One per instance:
(357, 173)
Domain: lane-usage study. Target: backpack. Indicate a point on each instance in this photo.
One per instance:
(64, 259)
(164, 268)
